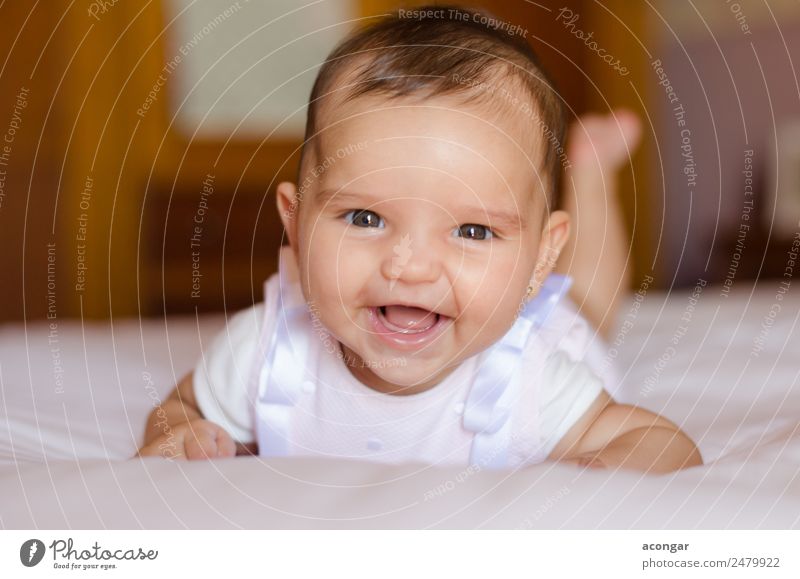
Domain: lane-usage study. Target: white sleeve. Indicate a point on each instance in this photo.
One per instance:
(567, 390)
(222, 376)
(575, 335)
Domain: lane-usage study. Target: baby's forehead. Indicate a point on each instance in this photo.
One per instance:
(401, 147)
(471, 121)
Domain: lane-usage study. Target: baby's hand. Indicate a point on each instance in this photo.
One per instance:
(194, 440)
(586, 461)
(604, 142)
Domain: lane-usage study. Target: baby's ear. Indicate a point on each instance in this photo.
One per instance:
(554, 236)
(288, 206)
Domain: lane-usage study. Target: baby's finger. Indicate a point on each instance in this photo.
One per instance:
(166, 447)
(223, 446)
(226, 447)
(200, 446)
(171, 451)
(590, 462)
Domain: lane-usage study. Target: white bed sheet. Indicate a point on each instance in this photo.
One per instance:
(64, 437)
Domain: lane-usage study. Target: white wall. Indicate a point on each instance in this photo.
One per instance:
(247, 67)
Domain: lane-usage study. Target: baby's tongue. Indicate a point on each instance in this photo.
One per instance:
(409, 318)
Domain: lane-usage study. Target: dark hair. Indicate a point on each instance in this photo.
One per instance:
(443, 50)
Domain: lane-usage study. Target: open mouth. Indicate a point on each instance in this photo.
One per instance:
(406, 326)
(407, 319)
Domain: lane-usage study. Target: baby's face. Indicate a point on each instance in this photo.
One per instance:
(419, 228)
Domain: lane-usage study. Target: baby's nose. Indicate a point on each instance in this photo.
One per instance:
(411, 260)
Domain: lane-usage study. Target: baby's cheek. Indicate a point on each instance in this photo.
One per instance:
(493, 286)
(493, 302)
(484, 321)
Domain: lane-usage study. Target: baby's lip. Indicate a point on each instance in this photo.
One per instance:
(410, 304)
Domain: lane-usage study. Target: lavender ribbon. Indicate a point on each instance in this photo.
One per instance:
(498, 383)
(281, 376)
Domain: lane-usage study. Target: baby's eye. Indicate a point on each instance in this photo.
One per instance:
(473, 231)
(363, 218)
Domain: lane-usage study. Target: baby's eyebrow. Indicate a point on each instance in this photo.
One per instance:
(497, 219)
(340, 195)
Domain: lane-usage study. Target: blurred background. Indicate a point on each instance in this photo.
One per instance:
(142, 141)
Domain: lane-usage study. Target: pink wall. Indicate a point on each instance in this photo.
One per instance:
(708, 79)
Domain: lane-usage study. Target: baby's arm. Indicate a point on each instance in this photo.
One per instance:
(620, 435)
(177, 429)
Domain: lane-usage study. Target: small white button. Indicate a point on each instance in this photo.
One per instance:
(309, 387)
(374, 444)
(459, 408)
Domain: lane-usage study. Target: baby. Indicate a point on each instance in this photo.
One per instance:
(415, 316)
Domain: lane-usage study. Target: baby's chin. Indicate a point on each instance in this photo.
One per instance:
(402, 375)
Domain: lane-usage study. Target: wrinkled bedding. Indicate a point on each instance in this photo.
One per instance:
(75, 397)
